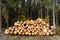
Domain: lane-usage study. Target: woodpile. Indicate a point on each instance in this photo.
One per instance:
(31, 27)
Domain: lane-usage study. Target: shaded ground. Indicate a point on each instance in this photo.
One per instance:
(17, 37)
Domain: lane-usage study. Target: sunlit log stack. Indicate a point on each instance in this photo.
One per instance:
(31, 27)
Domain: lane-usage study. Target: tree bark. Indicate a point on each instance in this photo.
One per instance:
(56, 20)
(53, 15)
(0, 16)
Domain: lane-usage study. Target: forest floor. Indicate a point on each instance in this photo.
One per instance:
(20, 37)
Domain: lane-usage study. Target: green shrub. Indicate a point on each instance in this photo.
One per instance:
(58, 32)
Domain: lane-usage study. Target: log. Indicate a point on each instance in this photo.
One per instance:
(26, 33)
(49, 30)
(39, 20)
(32, 31)
(19, 28)
(15, 24)
(21, 22)
(7, 31)
(10, 28)
(31, 22)
(13, 27)
(22, 33)
(16, 29)
(44, 30)
(19, 33)
(25, 30)
(15, 32)
(18, 22)
(11, 32)
(51, 33)
(44, 33)
(31, 27)
(47, 33)
(30, 34)
(41, 33)
(35, 33)
(27, 22)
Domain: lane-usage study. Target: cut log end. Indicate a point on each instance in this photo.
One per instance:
(31, 27)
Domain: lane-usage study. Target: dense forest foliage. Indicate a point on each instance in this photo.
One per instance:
(13, 10)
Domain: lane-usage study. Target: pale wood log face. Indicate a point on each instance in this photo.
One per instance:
(31, 27)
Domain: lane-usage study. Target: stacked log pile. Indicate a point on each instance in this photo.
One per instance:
(31, 27)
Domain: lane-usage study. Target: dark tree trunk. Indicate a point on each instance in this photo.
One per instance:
(0, 16)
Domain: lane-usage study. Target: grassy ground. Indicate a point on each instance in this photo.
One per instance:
(17, 37)
(56, 37)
